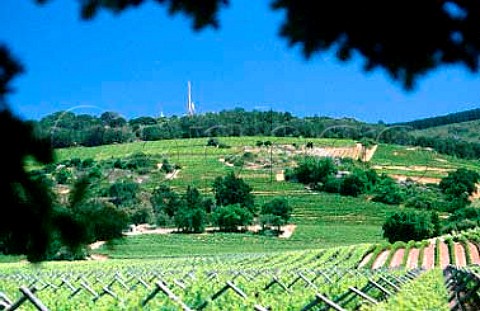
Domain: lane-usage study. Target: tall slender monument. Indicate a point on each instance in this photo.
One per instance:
(190, 105)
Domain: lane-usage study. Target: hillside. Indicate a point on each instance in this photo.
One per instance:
(452, 118)
(465, 131)
(321, 219)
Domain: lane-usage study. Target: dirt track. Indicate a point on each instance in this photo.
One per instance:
(397, 258)
(380, 260)
(460, 255)
(474, 253)
(429, 256)
(412, 261)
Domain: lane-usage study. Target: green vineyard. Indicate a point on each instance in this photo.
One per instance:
(302, 280)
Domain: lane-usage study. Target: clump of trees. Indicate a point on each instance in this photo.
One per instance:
(276, 213)
(411, 225)
(230, 190)
(67, 129)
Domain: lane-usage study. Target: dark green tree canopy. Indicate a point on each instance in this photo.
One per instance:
(232, 190)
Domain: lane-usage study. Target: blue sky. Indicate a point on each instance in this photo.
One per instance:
(139, 62)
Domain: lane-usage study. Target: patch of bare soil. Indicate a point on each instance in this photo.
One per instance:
(287, 231)
(413, 168)
(98, 257)
(429, 256)
(97, 244)
(380, 260)
(444, 257)
(460, 259)
(419, 179)
(172, 175)
(475, 195)
(474, 253)
(365, 260)
(412, 261)
(397, 258)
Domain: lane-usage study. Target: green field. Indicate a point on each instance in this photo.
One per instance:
(283, 281)
(466, 131)
(321, 219)
(333, 234)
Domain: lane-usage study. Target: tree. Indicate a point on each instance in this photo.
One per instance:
(123, 193)
(458, 183)
(191, 215)
(165, 200)
(230, 190)
(230, 217)
(406, 226)
(277, 212)
(388, 191)
(313, 170)
(353, 185)
(112, 119)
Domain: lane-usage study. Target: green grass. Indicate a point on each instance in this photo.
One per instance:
(437, 164)
(467, 131)
(427, 292)
(322, 220)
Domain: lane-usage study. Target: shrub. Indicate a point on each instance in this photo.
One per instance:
(279, 209)
(230, 190)
(230, 217)
(165, 200)
(123, 192)
(64, 176)
(352, 185)
(312, 170)
(388, 192)
(411, 225)
(167, 167)
(213, 142)
(332, 185)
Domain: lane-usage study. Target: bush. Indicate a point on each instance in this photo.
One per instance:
(213, 142)
(167, 167)
(123, 192)
(278, 207)
(64, 176)
(352, 185)
(313, 170)
(230, 217)
(141, 215)
(165, 200)
(332, 185)
(89, 162)
(140, 161)
(408, 225)
(230, 190)
(388, 192)
(426, 199)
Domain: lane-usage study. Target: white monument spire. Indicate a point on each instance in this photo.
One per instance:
(190, 105)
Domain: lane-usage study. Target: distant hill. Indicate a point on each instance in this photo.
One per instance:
(465, 131)
(458, 117)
